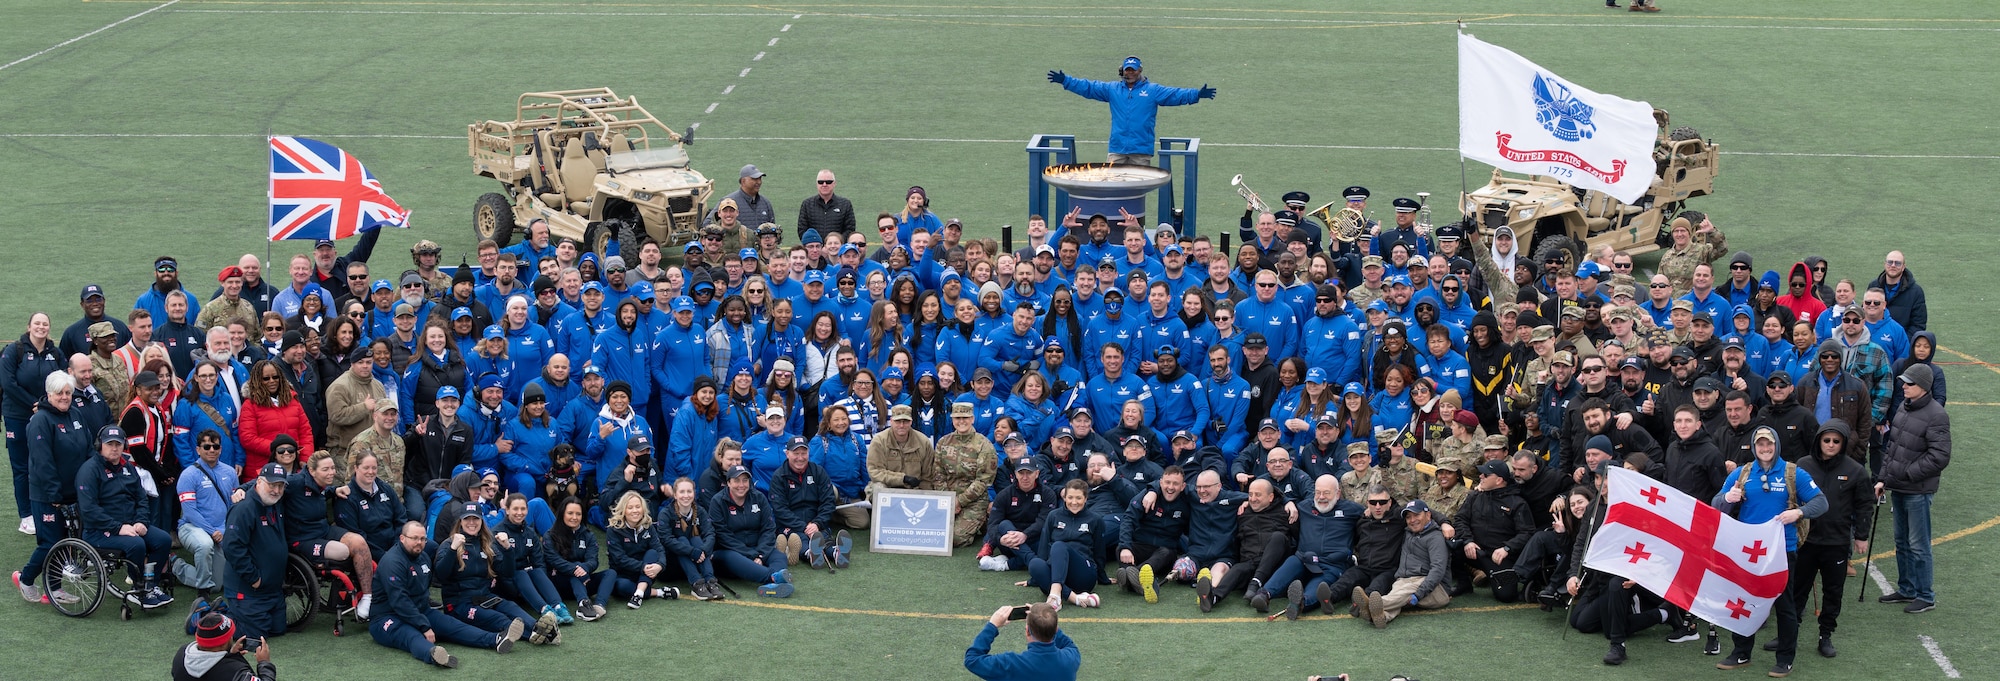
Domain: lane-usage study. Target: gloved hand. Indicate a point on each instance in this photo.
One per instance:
(910, 481)
(1011, 367)
(1035, 365)
(1059, 77)
(1207, 92)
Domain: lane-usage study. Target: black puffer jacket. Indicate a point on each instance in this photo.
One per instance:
(1917, 447)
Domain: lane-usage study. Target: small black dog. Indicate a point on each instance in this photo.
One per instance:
(563, 478)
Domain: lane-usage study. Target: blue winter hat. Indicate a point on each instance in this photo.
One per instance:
(490, 380)
(926, 370)
(461, 469)
(741, 367)
(1131, 62)
(589, 257)
(810, 237)
(488, 470)
(892, 373)
(1769, 280)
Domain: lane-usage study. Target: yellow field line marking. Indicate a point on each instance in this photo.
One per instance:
(1961, 534)
(1969, 358)
(1084, 619)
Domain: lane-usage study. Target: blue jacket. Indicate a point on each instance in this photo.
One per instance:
(624, 357)
(1107, 398)
(802, 498)
(580, 552)
(1167, 331)
(477, 365)
(1333, 344)
(377, 517)
(1182, 404)
(1229, 405)
(1450, 371)
(108, 495)
(690, 537)
(577, 333)
(626, 549)
(692, 442)
(402, 588)
(1003, 345)
(1125, 331)
(487, 426)
(253, 548)
(1765, 496)
(1042, 661)
(749, 528)
(1211, 532)
(1036, 420)
(1326, 540)
(190, 421)
(204, 504)
(155, 302)
(962, 350)
(606, 454)
(844, 462)
(984, 412)
(763, 454)
(532, 444)
(680, 355)
(1133, 108)
(559, 397)
(530, 346)
(740, 418)
(1279, 323)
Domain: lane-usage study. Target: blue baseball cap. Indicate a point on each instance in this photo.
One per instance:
(1316, 375)
(1175, 248)
(683, 304)
(1378, 305)
(692, 246)
(698, 285)
(1131, 62)
(1394, 279)
(815, 277)
(493, 331)
(593, 370)
(1353, 388)
(381, 285)
(592, 286)
(747, 254)
(1589, 268)
(892, 372)
(640, 291)
(849, 248)
(461, 313)
(447, 391)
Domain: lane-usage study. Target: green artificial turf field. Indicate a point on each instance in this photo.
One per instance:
(1849, 127)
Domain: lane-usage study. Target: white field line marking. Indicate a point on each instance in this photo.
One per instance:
(951, 140)
(1755, 26)
(1881, 582)
(102, 29)
(472, 13)
(697, 125)
(711, 108)
(795, 16)
(786, 28)
(746, 72)
(773, 43)
(1944, 663)
(731, 88)
(759, 57)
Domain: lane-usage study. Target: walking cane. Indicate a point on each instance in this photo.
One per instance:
(1868, 562)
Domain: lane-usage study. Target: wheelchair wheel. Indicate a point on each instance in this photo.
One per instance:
(74, 575)
(301, 592)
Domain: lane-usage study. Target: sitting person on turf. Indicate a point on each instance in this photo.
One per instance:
(1378, 550)
(372, 508)
(465, 572)
(1291, 485)
(1263, 540)
(728, 454)
(1015, 523)
(1149, 542)
(309, 534)
(634, 475)
(519, 562)
(1490, 529)
(407, 622)
(746, 536)
(205, 489)
(570, 556)
(1426, 564)
(637, 557)
(1211, 532)
(1325, 550)
(1065, 558)
(690, 537)
(803, 497)
(114, 513)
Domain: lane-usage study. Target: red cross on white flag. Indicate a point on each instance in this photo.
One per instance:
(1720, 569)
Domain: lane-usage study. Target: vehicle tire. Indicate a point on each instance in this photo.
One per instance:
(301, 592)
(1571, 252)
(74, 567)
(1683, 133)
(629, 241)
(597, 238)
(493, 218)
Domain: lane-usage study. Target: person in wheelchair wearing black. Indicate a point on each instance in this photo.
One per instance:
(115, 513)
(307, 532)
(253, 547)
(465, 573)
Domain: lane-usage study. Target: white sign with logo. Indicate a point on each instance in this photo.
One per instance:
(912, 521)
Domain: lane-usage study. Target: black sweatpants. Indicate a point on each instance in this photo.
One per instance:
(1828, 563)
(1370, 581)
(1614, 610)
(1277, 547)
(1160, 557)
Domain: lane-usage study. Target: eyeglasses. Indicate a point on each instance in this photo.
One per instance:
(826, 181)
(414, 537)
(1659, 286)
(1378, 502)
(864, 383)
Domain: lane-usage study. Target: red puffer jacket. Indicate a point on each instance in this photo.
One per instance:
(262, 423)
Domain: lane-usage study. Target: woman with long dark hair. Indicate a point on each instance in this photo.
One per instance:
(570, 557)
(270, 411)
(465, 571)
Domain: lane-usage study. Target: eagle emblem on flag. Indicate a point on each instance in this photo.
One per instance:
(1560, 112)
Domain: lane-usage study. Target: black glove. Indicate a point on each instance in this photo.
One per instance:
(910, 481)
(1011, 367)
(1059, 78)
(1207, 92)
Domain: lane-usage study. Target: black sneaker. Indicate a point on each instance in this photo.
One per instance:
(1895, 597)
(1295, 597)
(584, 611)
(1128, 578)
(1780, 670)
(1714, 644)
(638, 599)
(1918, 606)
(1734, 661)
(1256, 587)
(1683, 635)
(1616, 655)
(1826, 647)
(1203, 587)
(1261, 601)
(1324, 592)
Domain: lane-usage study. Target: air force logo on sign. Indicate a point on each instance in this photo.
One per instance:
(912, 521)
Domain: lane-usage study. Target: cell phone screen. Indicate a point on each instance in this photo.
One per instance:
(1020, 612)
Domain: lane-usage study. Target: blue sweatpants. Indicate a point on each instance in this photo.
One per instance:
(152, 548)
(1069, 564)
(743, 567)
(492, 619)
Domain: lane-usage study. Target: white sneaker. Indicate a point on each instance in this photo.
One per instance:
(28, 526)
(993, 564)
(1083, 599)
(361, 608)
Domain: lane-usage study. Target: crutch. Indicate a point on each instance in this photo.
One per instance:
(1868, 562)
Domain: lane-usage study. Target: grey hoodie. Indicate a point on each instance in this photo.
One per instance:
(1425, 555)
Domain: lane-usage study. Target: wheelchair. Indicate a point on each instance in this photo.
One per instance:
(316, 584)
(79, 575)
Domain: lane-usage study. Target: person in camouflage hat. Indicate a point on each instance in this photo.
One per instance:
(1361, 473)
(1447, 489)
(966, 463)
(1696, 241)
(1463, 444)
(1398, 473)
(1371, 287)
(1495, 448)
(1528, 383)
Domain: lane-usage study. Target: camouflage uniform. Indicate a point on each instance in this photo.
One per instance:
(1361, 295)
(1402, 479)
(219, 312)
(1445, 500)
(1449, 449)
(110, 377)
(1678, 264)
(966, 464)
(1354, 484)
(437, 285)
(388, 451)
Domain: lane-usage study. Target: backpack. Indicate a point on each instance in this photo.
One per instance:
(1791, 495)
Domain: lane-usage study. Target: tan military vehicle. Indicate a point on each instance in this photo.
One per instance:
(597, 166)
(1548, 215)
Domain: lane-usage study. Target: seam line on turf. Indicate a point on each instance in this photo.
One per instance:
(1094, 620)
(74, 40)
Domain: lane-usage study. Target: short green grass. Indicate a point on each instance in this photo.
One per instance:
(1849, 128)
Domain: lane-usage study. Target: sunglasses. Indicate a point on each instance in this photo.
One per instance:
(1739, 268)
(1659, 286)
(274, 328)
(1451, 289)
(1832, 441)
(287, 450)
(826, 181)
(1872, 303)
(357, 277)
(1264, 285)
(1850, 320)
(613, 270)
(411, 286)
(1885, 262)
(1621, 266)
(1378, 502)
(356, 315)
(1592, 370)
(166, 268)
(208, 447)
(272, 377)
(1329, 300)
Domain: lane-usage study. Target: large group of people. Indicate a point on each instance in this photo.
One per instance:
(1369, 427)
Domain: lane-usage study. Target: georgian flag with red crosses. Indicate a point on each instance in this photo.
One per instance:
(1722, 570)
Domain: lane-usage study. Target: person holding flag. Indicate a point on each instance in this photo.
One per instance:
(1766, 489)
(1602, 601)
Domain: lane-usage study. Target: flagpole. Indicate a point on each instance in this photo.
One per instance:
(1462, 189)
(267, 197)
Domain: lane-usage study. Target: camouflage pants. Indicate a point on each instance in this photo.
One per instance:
(970, 526)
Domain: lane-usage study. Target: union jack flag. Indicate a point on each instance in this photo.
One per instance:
(319, 191)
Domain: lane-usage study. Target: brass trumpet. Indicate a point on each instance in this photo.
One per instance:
(1347, 224)
(1244, 191)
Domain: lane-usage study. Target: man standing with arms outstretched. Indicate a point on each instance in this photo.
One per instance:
(1135, 104)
